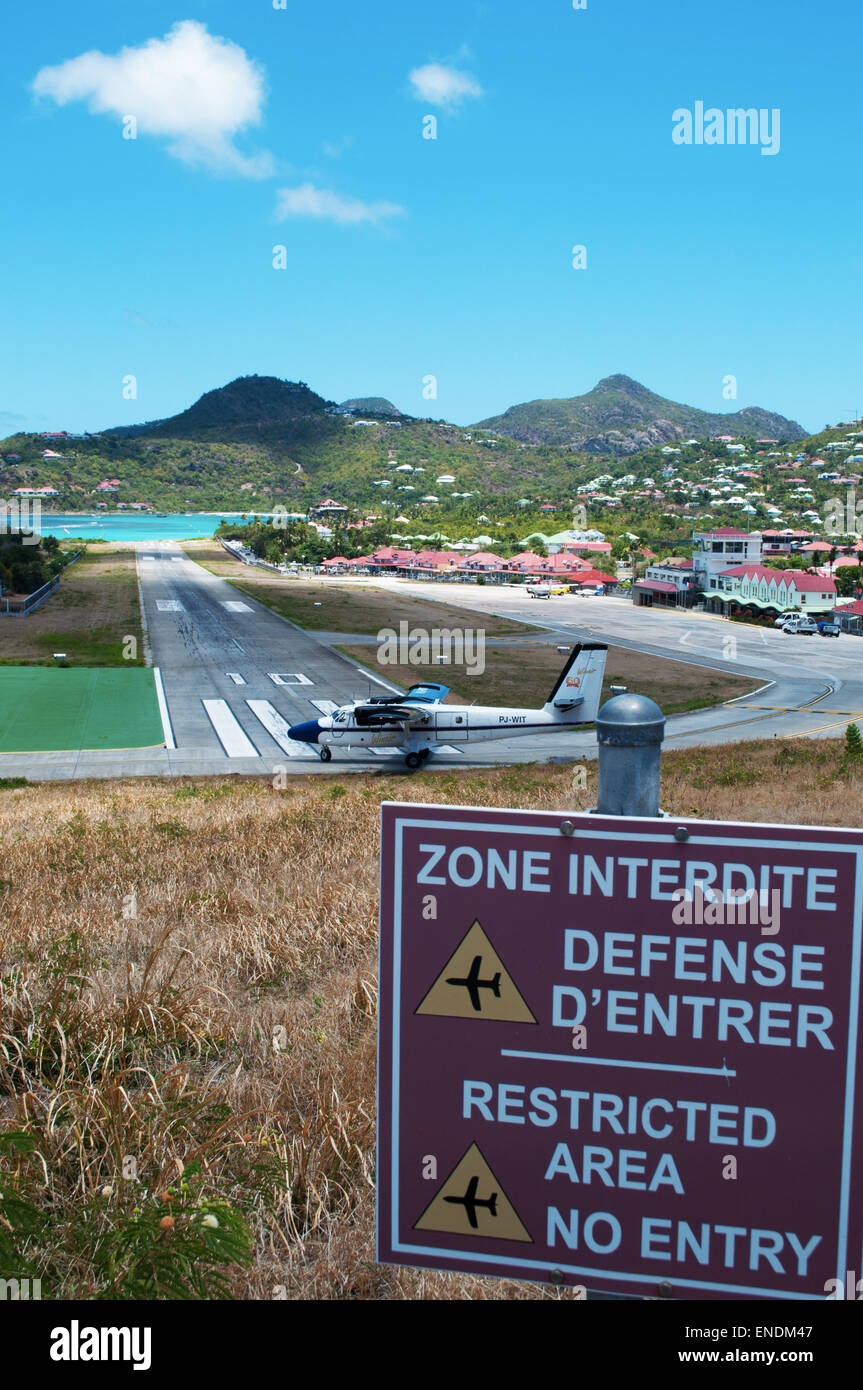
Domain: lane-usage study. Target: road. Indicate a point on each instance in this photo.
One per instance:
(235, 675)
(815, 683)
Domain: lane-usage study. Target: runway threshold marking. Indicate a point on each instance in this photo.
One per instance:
(235, 677)
(229, 733)
(277, 727)
(289, 678)
(324, 706)
(169, 605)
(234, 606)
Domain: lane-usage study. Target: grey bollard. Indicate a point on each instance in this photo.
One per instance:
(630, 730)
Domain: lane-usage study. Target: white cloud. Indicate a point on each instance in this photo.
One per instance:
(323, 203)
(192, 87)
(442, 86)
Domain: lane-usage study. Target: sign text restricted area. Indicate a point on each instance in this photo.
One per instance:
(620, 1054)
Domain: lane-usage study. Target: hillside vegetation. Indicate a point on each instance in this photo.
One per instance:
(620, 416)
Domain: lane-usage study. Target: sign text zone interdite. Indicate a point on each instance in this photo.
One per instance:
(586, 1076)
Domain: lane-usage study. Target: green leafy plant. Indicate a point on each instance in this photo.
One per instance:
(118, 1243)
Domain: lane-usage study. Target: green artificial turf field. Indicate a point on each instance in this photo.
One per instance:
(49, 709)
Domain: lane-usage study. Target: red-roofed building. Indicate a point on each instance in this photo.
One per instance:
(670, 583)
(762, 590)
(589, 576)
(526, 562)
(433, 563)
(481, 562)
(387, 560)
(850, 617)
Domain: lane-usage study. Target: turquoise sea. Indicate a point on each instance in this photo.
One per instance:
(135, 526)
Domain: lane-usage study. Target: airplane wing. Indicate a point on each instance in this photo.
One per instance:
(369, 717)
(428, 693)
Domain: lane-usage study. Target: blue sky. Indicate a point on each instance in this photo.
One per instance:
(408, 257)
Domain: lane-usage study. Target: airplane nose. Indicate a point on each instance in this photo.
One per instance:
(306, 733)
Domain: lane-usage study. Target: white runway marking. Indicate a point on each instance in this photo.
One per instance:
(163, 709)
(289, 678)
(178, 559)
(277, 727)
(233, 606)
(386, 684)
(228, 731)
(324, 706)
(235, 677)
(169, 605)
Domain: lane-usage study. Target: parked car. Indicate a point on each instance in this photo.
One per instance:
(829, 629)
(801, 627)
(783, 619)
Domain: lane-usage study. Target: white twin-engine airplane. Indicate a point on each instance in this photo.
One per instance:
(419, 721)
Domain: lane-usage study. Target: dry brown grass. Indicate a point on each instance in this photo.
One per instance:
(351, 607)
(152, 1035)
(91, 613)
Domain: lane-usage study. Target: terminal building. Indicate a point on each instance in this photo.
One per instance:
(726, 576)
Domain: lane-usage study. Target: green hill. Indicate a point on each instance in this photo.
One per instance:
(621, 417)
(241, 410)
(370, 405)
(259, 442)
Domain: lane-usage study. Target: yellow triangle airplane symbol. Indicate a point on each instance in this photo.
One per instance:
(472, 1203)
(475, 983)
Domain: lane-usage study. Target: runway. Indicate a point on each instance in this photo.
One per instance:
(234, 676)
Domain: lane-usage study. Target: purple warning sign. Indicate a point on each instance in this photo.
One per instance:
(620, 1054)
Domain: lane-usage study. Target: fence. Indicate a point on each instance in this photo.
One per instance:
(20, 607)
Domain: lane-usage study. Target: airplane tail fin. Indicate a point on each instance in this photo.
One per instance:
(577, 690)
(495, 985)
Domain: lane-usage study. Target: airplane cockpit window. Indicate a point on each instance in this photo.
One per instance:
(366, 717)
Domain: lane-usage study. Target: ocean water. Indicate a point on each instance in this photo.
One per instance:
(135, 526)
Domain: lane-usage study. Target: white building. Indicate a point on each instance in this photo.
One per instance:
(715, 551)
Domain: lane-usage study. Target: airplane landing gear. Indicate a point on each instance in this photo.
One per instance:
(325, 754)
(415, 760)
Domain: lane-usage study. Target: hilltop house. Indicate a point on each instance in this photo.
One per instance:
(328, 508)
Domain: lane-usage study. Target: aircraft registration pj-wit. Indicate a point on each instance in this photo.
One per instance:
(419, 721)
